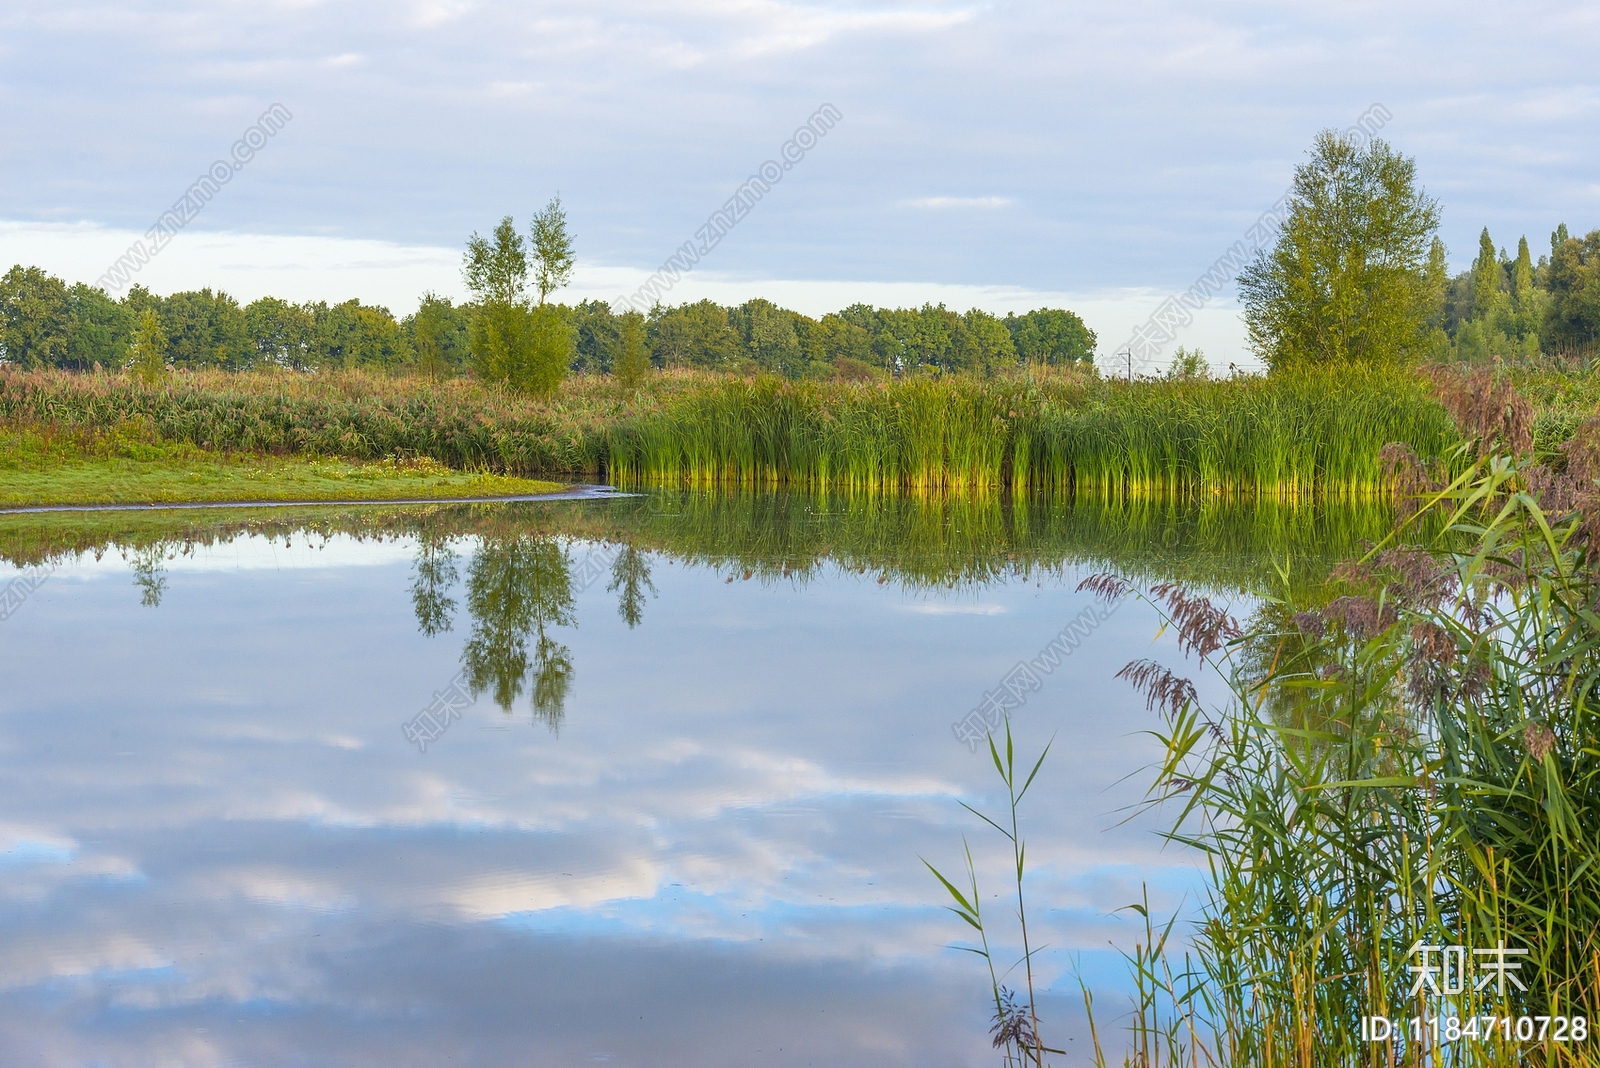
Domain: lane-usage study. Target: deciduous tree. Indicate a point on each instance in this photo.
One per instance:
(1347, 279)
(34, 318)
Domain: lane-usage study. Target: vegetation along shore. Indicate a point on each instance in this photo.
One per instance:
(157, 393)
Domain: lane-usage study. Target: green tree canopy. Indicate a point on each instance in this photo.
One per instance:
(440, 336)
(496, 269)
(281, 334)
(693, 335)
(206, 330)
(34, 318)
(1051, 336)
(1573, 321)
(1347, 279)
(633, 355)
(98, 329)
(553, 255)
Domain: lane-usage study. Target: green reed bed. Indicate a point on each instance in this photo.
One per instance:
(1302, 434)
(1310, 433)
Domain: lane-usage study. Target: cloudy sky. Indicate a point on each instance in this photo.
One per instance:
(994, 154)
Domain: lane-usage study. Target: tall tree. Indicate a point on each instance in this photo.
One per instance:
(768, 334)
(1573, 321)
(1052, 336)
(547, 350)
(553, 255)
(597, 336)
(206, 329)
(693, 335)
(985, 345)
(352, 334)
(528, 348)
(496, 268)
(1347, 278)
(1486, 278)
(281, 334)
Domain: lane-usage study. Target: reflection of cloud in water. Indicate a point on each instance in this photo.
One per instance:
(718, 855)
(936, 609)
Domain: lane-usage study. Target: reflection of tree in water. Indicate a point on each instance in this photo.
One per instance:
(149, 572)
(630, 573)
(516, 588)
(434, 574)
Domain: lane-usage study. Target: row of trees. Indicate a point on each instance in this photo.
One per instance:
(1358, 273)
(1513, 306)
(46, 323)
(511, 331)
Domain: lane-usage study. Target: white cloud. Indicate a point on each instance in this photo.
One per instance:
(959, 202)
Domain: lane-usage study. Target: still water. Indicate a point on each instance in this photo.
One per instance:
(685, 755)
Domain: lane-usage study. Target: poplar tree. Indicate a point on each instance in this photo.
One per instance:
(1486, 274)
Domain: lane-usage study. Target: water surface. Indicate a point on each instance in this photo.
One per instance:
(704, 743)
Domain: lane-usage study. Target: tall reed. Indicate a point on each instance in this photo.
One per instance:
(1413, 762)
(1315, 432)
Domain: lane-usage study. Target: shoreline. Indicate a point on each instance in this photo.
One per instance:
(577, 492)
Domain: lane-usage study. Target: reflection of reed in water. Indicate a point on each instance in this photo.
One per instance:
(915, 541)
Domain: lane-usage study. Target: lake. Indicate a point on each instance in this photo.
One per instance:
(646, 780)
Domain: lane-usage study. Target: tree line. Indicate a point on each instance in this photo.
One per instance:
(1358, 274)
(1513, 306)
(511, 329)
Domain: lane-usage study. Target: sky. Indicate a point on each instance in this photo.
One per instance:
(996, 155)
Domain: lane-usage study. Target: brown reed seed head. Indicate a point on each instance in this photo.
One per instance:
(1363, 617)
(1410, 476)
(1161, 688)
(1539, 740)
(1486, 410)
(1203, 628)
(1106, 586)
(1013, 1022)
(1433, 654)
(1310, 624)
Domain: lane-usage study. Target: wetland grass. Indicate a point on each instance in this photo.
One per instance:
(1305, 434)
(1312, 433)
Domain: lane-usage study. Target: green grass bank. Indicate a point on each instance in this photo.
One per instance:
(46, 466)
